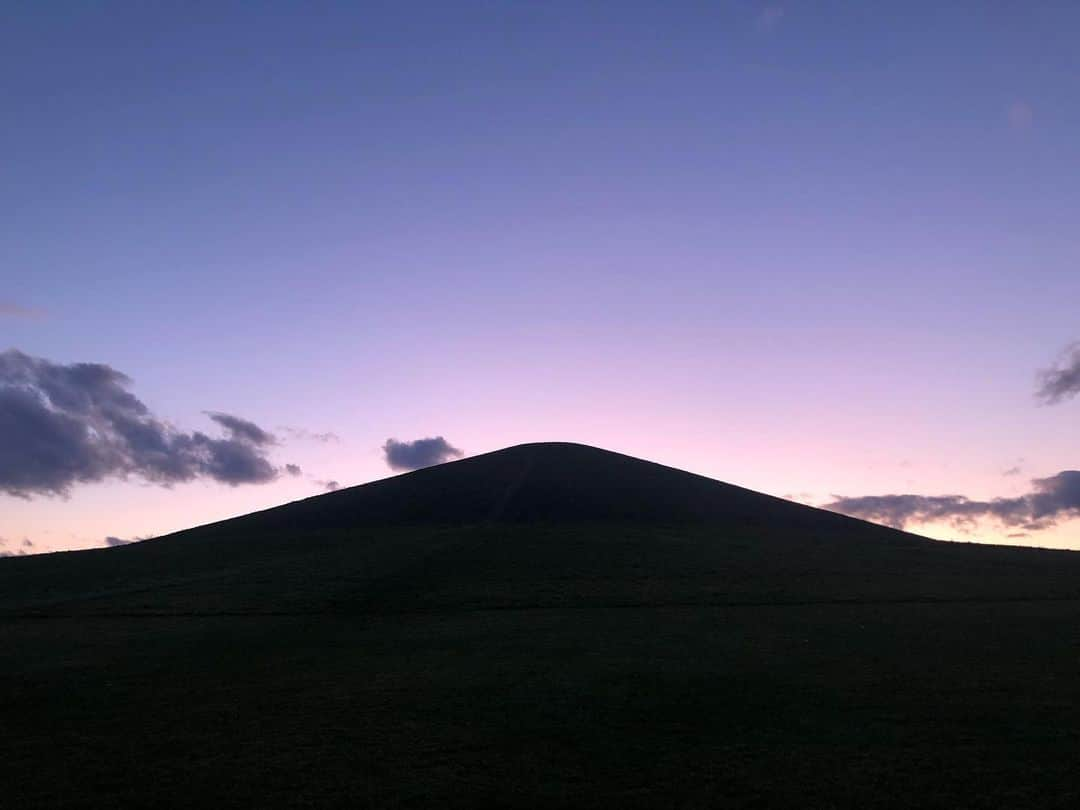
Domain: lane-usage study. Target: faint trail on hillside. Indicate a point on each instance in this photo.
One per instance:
(511, 490)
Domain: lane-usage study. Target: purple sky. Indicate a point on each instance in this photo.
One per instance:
(817, 249)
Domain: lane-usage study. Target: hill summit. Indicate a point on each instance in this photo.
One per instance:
(550, 482)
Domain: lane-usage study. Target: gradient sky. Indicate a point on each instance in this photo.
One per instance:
(815, 249)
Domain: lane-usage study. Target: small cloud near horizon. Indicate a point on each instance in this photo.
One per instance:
(22, 551)
(113, 542)
(419, 453)
(1050, 501)
(329, 486)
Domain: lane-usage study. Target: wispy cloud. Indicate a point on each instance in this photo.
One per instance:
(113, 542)
(1062, 380)
(10, 549)
(62, 425)
(329, 486)
(1050, 500)
(242, 429)
(302, 434)
(419, 453)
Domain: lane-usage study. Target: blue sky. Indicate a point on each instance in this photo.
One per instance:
(814, 248)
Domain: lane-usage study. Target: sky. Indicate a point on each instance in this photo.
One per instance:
(823, 250)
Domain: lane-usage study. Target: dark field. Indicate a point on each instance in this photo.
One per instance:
(324, 655)
(876, 705)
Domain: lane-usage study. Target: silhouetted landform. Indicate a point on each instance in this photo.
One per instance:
(549, 624)
(539, 525)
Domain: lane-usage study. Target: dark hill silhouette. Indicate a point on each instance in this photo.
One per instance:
(551, 524)
(551, 482)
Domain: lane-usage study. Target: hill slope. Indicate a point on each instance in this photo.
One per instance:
(538, 525)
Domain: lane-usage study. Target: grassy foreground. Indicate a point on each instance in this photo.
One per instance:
(931, 705)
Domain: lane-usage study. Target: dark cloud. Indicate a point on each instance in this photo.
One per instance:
(307, 435)
(242, 429)
(1050, 500)
(420, 453)
(112, 542)
(1063, 380)
(62, 425)
(329, 486)
(293, 469)
(21, 551)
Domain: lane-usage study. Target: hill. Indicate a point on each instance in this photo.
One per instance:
(546, 624)
(532, 525)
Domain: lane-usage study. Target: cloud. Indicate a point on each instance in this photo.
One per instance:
(1049, 501)
(307, 435)
(242, 429)
(329, 486)
(1012, 471)
(1062, 381)
(112, 542)
(293, 469)
(22, 551)
(420, 453)
(11, 310)
(1020, 114)
(62, 425)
